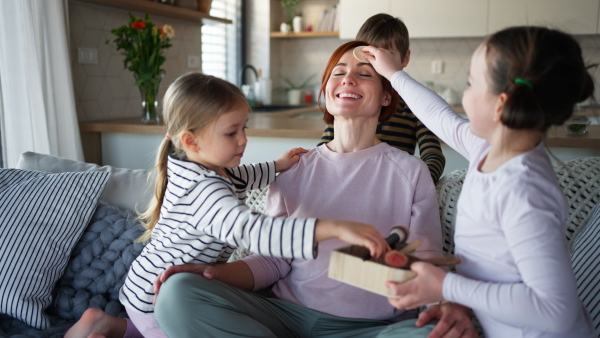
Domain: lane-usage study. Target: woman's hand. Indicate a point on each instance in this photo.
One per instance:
(353, 233)
(288, 159)
(425, 288)
(208, 271)
(454, 320)
(385, 61)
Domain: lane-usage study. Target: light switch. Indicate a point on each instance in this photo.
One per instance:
(87, 55)
(437, 67)
(193, 61)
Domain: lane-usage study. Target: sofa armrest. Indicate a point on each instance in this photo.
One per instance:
(448, 190)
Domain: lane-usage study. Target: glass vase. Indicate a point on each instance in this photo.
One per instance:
(148, 86)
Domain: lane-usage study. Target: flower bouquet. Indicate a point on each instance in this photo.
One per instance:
(142, 43)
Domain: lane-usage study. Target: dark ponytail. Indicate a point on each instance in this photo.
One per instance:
(522, 109)
(542, 72)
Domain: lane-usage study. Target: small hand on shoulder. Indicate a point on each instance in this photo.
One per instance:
(288, 159)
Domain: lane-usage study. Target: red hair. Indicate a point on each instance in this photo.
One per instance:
(385, 113)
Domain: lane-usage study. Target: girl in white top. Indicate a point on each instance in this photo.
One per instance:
(510, 227)
(198, 214)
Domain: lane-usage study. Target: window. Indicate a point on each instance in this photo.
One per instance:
(219, 41)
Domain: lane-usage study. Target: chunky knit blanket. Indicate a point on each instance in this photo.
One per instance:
(94, 275)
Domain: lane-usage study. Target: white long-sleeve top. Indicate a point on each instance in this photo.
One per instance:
(510, 233)
(203, 218)
(380, 185)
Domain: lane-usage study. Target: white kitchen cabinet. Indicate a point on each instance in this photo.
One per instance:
(575, 17)
(442, 18)
(424, 18)
(355, 12)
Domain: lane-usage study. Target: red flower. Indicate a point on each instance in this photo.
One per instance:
(138, 25)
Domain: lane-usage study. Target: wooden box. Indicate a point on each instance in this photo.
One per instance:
(204, 6)
(346, 265)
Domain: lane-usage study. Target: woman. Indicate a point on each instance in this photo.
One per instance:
(338, 179)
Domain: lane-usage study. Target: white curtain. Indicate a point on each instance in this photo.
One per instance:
(38, 103)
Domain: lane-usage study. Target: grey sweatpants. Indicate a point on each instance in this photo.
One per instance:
(189, 305)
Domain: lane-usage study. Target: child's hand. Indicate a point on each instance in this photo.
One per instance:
(425, 288)
(288, 159)
(384, 61)
(353, 233)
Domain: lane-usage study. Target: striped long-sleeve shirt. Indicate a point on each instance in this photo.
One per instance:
(203, 218)
(403, 131)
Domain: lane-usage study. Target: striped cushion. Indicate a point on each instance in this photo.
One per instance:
(585, 258)
(41, 219)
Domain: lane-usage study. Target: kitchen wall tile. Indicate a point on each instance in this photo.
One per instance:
(116, 87)
(91, 87)
(115, 66)
(118, 106)
(79, 76)
(115, 19)
(91, 17)
(91, 110)
(90, 38)
(105, 96)
(76, 27)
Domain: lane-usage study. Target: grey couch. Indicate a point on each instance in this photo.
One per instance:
(98, 263)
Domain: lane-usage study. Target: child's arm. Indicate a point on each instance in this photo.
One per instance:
(260, 175)
(217, 213)
(352, 233)
(427, 106)
(430, 151)
(288, 159)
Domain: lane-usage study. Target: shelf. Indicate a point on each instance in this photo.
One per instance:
(304, 35)
(158, 9)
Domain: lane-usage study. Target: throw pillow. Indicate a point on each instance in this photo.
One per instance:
(41, 219)
(585, 258)
(126, 188)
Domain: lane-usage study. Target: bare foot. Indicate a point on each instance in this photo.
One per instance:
(95, 323)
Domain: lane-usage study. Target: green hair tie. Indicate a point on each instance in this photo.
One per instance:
(524, 82)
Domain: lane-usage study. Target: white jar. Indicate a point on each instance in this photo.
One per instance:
(284, 27)
(297, 23)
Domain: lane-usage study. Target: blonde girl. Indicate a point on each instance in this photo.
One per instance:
(198, 214)
(510, 227)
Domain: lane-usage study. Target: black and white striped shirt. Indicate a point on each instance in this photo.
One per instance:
(203, 218)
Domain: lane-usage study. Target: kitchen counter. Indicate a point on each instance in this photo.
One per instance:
(293, 123)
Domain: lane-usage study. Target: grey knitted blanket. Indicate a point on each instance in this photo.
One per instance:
(94, 275)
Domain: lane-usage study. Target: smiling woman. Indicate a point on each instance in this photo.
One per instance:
(335, 75)
(323, 184)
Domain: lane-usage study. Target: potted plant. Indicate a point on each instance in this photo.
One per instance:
(294, 91)
(290, 8)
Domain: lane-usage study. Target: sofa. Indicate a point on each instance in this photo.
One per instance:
(103, 240)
